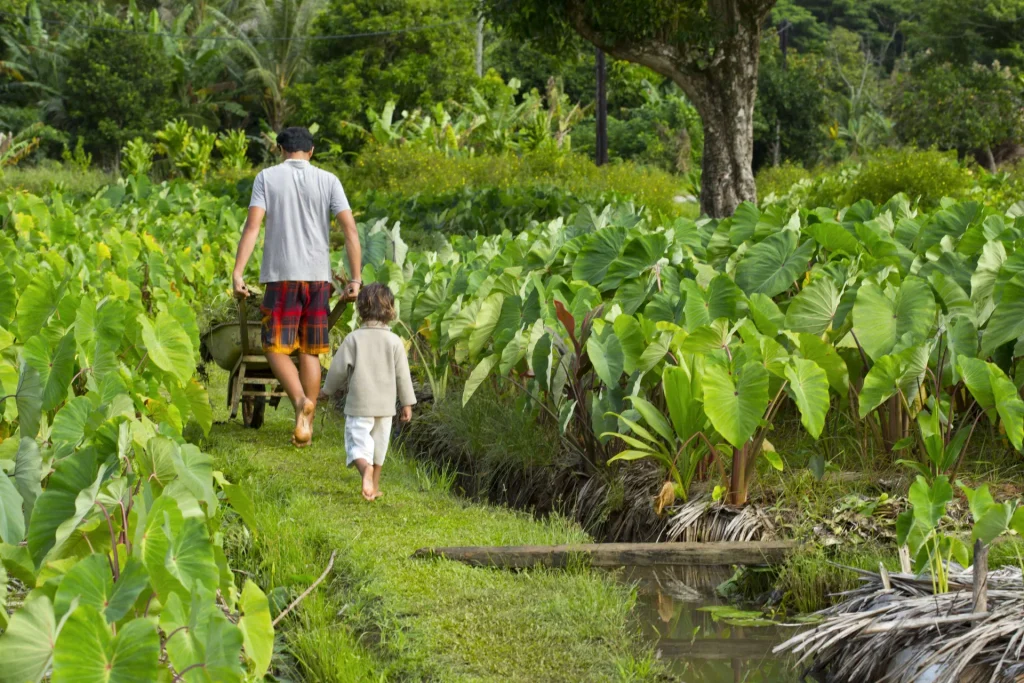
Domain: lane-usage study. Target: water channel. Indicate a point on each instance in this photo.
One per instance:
(702, 646)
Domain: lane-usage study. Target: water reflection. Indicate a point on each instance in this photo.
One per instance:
(697, 647)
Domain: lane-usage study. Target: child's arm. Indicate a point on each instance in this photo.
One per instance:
(337, 376)
(406, 395)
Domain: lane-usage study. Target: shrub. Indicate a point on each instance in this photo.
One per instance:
(52, 176)
(924, 175)
(777, 180)
(423, 173)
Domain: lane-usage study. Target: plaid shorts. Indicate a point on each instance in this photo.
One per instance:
(295, 317)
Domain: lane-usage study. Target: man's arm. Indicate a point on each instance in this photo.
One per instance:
(353, 250)
(250, 233)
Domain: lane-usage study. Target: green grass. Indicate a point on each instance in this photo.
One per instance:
(46, 178)
(385, 616)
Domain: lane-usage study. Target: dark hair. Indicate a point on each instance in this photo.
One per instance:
(376, 302)
(295, 139)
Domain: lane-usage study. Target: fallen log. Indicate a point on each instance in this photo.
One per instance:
(615, 554)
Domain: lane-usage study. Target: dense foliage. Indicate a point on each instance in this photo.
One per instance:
(877, 315)
(111, 521)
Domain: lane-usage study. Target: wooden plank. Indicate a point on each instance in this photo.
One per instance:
(616, 554)
(716, 648)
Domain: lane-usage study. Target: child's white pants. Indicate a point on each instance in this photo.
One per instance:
(367, 438)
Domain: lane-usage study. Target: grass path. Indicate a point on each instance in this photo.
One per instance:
(384, 616)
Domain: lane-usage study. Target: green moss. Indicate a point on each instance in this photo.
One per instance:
(383, 613)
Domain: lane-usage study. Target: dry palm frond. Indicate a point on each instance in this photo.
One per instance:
(905, 633)
(701, 520)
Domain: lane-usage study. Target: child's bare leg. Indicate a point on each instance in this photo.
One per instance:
(376, 481)
(366, 472)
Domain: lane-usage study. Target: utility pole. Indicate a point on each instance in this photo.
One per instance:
(480, 46)
(601, 110)
(783, 44)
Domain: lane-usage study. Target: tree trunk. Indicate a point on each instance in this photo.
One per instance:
(720, 80)
(724, 97)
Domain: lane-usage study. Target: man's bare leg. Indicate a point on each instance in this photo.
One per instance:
(366, 472)
(376, 482)
(309, 375)
(288, 375)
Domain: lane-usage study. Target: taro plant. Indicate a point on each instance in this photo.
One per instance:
(679, 444)
(921, 526)
(233, 146)
(137, 157)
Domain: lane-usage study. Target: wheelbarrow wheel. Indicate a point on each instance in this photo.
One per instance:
(253, 409)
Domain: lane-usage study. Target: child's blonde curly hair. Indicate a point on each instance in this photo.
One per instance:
(376, 302)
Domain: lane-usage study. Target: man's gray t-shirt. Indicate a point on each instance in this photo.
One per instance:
(300, 200)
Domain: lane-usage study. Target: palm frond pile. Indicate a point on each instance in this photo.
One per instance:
(904, 633)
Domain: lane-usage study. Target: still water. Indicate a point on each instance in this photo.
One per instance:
(701, 646)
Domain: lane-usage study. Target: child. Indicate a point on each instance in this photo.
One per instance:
(373, 363)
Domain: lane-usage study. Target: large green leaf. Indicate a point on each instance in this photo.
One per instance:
(1007, 321)
(29, 399)
(26, 647)
(808, 385)
(631, 339)
(834, 237)
(930, 502)
(257, 629)
(239, 500)
(766, 314)
(735, 404)
(37, 303)
(640, 253)
(814, 308)
(481, 332)
(825, 355)
(880, 384)
(773, 265)
(880, 321)
(1009, 406)
(55, 368)
(597, 255)
(28, 471)
(478, 375)
(211, 645)
(605, 353)
(60, 503)
(683, 395)
(190, 556)
(87, 652)
(12, 517)
(168, 345)
(91, 583)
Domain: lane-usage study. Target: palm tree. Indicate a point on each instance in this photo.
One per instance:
(273, 47)
(34, 67)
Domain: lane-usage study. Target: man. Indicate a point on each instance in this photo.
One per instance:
(298, 200)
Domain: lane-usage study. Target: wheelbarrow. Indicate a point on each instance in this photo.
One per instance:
(237, 348)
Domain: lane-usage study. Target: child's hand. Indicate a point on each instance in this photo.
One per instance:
(406, 414)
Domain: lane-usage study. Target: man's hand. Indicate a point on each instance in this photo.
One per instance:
(406, 414)
(241, 290)
(352, 289)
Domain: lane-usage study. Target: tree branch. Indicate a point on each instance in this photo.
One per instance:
(296, 601)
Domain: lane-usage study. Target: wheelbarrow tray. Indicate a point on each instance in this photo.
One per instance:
(224, 340)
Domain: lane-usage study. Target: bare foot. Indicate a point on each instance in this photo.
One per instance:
(368, 493)
(303, 433)
(377, 494)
